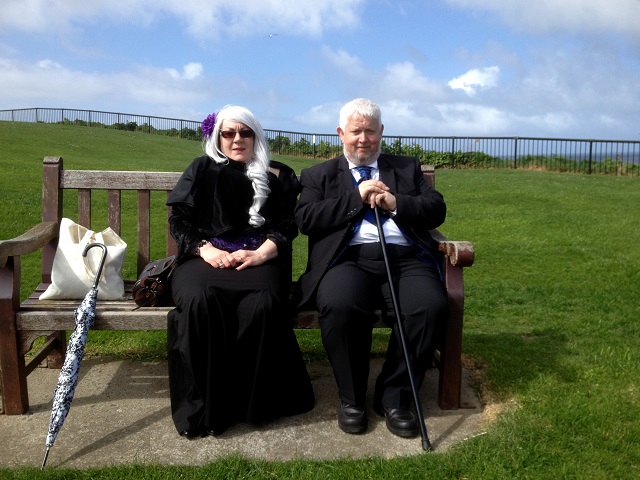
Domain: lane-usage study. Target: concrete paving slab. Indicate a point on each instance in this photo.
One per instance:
(121, 415)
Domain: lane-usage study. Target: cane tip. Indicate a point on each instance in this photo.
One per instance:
(426, 445)
(44, 460)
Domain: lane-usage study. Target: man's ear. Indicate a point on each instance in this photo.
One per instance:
(340, 132)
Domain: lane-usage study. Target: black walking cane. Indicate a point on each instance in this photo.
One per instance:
(426, 444)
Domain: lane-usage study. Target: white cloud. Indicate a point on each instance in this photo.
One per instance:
(345, 63)
(402, 80)
(148, 90)
(589, 16)
(405, 81)
(323, 117)
(473, 118)
(476, 79)
(203, 18)
(413, 103)
(59, 16)
(190, 71)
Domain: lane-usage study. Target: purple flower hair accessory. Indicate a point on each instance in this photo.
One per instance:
(208, 124)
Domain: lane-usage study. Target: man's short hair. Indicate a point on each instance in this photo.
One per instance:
(362, 107)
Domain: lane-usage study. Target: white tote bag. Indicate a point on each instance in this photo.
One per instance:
(73, 275)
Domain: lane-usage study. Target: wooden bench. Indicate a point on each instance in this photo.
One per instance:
(21, 323)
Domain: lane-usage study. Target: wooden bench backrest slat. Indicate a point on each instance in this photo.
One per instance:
(172, 246)
(144, 228)
(84, 206)
(113, 210)
(51, 209)
(429, 172)
(118, 180)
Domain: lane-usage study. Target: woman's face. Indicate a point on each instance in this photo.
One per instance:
(233, 144)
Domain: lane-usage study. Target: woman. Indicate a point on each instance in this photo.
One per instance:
(232, 353)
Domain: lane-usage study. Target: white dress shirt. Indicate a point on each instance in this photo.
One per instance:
(368, 232)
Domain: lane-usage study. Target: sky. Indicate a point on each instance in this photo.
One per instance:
(535, 68)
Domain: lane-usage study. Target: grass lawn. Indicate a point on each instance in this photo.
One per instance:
(551, 320)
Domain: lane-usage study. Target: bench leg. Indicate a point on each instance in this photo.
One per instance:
(15, 397)
(450, 356)
(56, 357)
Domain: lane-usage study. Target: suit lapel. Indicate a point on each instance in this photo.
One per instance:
(387, 173)
(344, 174)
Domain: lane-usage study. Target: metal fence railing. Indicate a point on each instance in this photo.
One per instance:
(613, 157)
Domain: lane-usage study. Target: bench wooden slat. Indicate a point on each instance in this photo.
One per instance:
(113, 210)
(106, 319)
(172, 246)
(144, 229)
(118, 180)
(84, 206)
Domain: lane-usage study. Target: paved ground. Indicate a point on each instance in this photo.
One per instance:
(120, 415)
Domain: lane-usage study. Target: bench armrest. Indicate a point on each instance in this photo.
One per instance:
(459, 253)
(29, 242)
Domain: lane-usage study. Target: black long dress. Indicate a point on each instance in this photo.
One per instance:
(232, 353)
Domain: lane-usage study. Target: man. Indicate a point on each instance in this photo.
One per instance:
(346, 277)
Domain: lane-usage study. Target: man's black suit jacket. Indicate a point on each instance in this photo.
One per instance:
(329, 204)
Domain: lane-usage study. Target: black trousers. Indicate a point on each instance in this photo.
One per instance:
(349, 293)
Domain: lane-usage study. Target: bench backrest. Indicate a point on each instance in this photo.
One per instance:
(55, 180)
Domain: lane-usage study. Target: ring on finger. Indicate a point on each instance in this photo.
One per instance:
(221, 264)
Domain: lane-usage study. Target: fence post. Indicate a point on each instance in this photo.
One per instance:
(590, 154)
(515, 153)
(453, 152)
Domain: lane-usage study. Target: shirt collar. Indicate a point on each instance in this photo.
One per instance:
(374, 165)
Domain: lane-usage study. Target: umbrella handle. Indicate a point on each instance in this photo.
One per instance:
(102, 260)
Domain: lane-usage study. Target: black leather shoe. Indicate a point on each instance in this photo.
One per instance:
(400, 421)
(190, 434)
(352, 419)
(210, 432)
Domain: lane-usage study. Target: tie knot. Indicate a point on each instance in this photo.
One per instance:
(365, 173)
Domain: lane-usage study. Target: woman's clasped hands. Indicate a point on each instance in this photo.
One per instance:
(240, 259)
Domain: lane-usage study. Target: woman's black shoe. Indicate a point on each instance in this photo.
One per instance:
(190, 434)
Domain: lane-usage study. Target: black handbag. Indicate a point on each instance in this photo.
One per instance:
(152, 289)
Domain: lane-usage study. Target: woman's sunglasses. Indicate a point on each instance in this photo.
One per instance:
(231, 134)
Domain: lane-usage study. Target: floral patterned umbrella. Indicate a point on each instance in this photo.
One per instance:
(68, 378)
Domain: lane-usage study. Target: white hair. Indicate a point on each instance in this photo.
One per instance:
(257, 169)
(360, 107)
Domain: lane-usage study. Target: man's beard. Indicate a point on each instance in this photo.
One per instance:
(361, 160)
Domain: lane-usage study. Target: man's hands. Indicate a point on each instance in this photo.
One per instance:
(376, 193)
